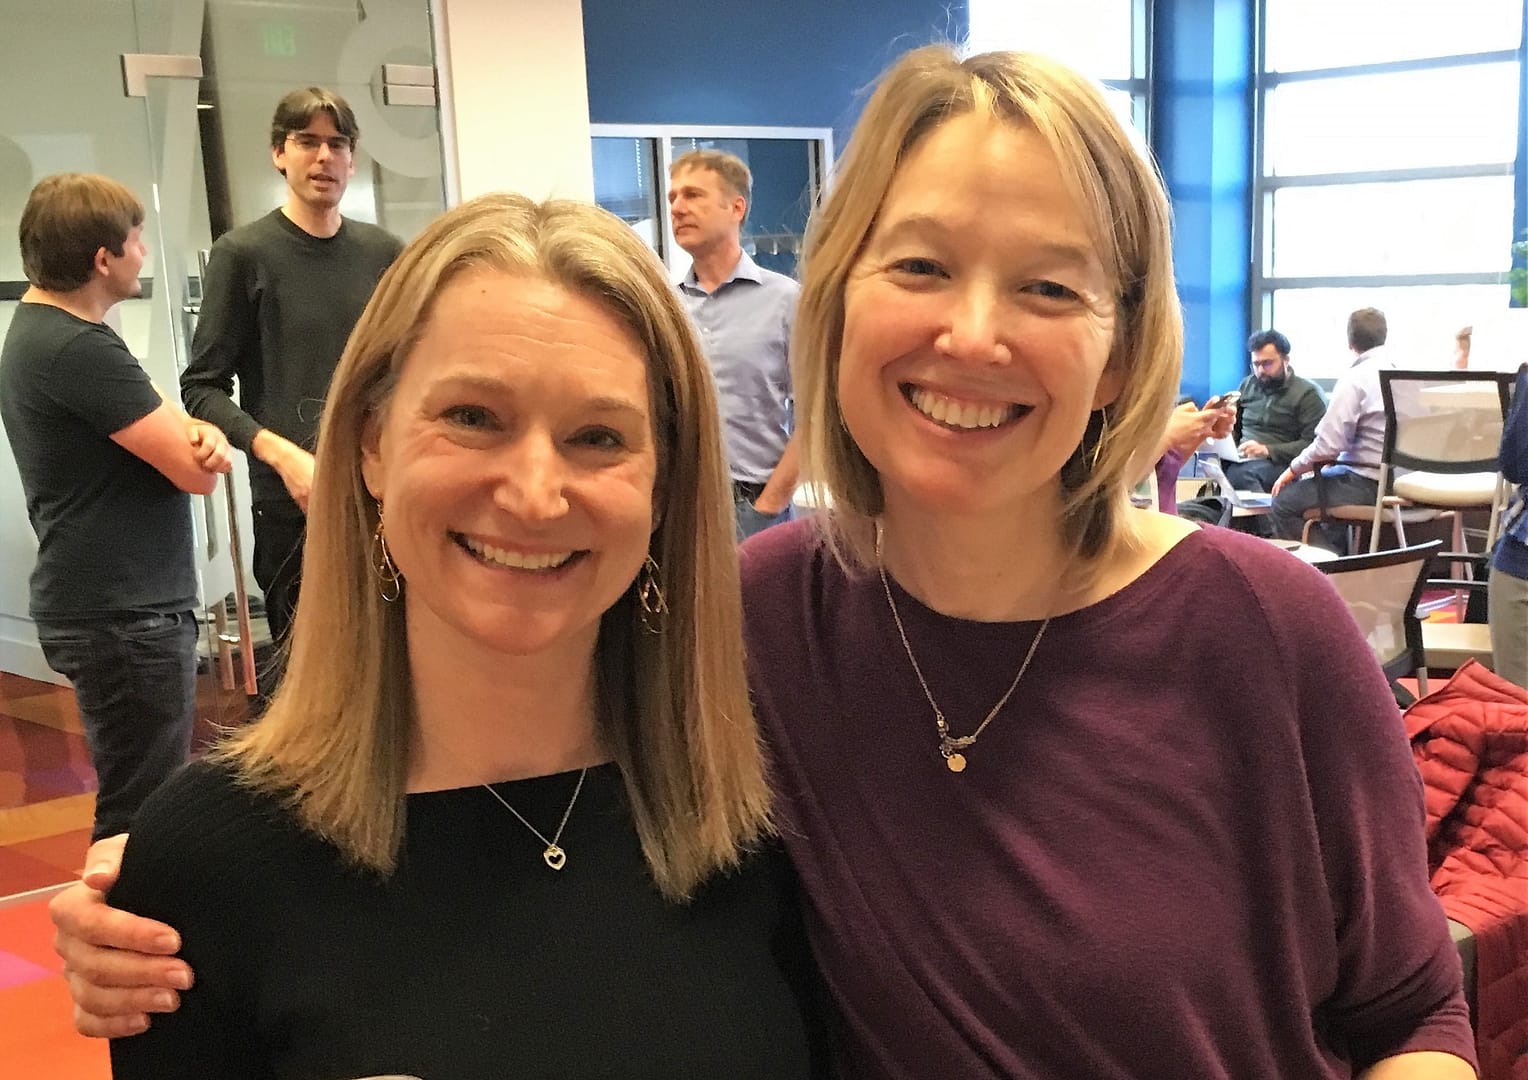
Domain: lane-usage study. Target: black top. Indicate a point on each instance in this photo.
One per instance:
(474, 960)
(113, 533)
(277, 307)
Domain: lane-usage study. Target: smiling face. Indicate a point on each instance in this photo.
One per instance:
(977, 325)
(317, 161)
(515, 462)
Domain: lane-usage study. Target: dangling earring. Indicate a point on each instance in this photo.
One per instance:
(389, 579)
(1098, 446)
(1084, 459)
(652, 607)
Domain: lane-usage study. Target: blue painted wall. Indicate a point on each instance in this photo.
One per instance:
(795, 63)
(1201, 132)
(809, 63)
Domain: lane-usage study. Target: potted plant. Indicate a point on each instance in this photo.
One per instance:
(1517, 277)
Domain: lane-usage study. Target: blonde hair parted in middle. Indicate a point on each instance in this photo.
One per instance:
(674, 708)
(1120, 194)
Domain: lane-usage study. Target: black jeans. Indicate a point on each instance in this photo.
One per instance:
(135, 679)
(279, 531)
(277, 565)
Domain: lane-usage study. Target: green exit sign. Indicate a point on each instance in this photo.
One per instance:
(279, 40)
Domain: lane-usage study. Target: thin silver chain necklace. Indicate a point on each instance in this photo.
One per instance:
(553, 856)
(950, 746)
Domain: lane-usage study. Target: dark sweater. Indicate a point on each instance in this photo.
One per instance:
(277, 307)
(1283, 419)
(475, 960)
(1190, 846)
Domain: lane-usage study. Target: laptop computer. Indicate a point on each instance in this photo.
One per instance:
(1209, 464)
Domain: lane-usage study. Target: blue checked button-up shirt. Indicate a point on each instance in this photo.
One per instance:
(745, 332)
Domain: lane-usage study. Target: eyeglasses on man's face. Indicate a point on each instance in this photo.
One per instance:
(337, 144)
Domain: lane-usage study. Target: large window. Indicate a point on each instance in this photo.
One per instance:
(789, 167)
(1384, 172)
(1105, 39)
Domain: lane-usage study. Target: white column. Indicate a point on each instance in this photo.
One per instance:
(515, 98)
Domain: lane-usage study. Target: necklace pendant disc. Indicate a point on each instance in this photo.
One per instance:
(555, 857)
(956, 762)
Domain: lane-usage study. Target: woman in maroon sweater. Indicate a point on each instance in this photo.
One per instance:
(1075, 790)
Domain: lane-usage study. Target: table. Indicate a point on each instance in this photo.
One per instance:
(1305, 552)
(1461, 395)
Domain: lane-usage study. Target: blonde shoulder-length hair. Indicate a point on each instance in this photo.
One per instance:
(1121, 195)
(674, 706)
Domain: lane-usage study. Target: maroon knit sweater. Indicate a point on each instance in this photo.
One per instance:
(1190, 846)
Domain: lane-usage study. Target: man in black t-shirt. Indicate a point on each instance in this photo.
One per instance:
(280, 299)
(105, 465)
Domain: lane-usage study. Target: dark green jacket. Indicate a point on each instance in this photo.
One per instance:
(1284, 420)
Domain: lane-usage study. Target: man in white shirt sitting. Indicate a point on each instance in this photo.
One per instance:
(1352, 433)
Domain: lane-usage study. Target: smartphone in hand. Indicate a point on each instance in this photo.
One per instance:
(1224, 401)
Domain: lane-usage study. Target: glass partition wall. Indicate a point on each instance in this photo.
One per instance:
(174, 99)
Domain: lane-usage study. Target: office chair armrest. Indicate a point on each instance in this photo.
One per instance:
(1318, 471)
(1480, 560)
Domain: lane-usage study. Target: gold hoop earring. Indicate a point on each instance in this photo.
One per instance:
(389, 578)
(652, 607)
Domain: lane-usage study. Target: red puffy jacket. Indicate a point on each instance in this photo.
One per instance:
(1470, 741)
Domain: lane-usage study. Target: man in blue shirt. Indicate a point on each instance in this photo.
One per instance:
(744, 315)
(1352, 433)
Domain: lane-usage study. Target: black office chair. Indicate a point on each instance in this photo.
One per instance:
(1442, 431)
(1445, 427)
(1362, 522)
(1381, 592)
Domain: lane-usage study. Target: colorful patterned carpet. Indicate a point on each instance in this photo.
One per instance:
(47, 787)
(47, 797)
(37, 1037)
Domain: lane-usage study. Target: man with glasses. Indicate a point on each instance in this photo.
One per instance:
(1276, 417)
(280, 298)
